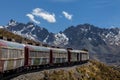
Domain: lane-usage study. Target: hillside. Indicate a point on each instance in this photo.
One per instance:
(92, 70)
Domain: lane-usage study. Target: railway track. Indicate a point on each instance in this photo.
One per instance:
(36, 69)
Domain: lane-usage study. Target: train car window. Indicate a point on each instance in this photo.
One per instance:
(20, 52)
(4, 52)
(0, 54)
(73, 56)
(10, 53)
(15, 53)
(35, 55)
(31, 54)
(39, 54)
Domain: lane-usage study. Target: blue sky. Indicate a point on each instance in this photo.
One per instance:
(57, 15)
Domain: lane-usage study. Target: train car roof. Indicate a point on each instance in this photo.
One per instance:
(38, 48)
(12, 45)
(78, 51)
(58, 50)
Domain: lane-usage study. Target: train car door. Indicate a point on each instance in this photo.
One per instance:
(26, 54)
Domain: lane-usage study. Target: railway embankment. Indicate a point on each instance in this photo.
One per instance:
(92, 70)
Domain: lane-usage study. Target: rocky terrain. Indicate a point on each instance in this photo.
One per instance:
(92, 70)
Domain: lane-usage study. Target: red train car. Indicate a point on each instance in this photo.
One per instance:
(36, 55)
(59, 56)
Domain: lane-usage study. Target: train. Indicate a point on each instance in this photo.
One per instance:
(18, 57)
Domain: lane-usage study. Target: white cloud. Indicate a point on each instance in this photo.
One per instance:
(67, 15)
(44, 14)
(32, 18)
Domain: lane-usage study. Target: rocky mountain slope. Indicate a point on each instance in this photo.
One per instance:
(92, 70)
(30, 31)
(102, 43)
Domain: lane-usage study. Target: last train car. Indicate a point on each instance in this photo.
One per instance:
(84, 55)
(78, 56)
(11, 56)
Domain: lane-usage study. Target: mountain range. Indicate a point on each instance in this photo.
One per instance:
(102, 43)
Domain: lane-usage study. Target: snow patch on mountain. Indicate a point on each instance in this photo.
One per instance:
(112, 39)
(45, 40)
(1, 27)
(29, 36)
(12, 23)
(29, 26)
(19, 32)
(33, 29)
(61, 38)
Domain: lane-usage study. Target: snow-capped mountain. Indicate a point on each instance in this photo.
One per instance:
(12, 23)
(93, 34)
(81, 32)
(34, 32)
(29, 30)
(102, 43)
(60, 39)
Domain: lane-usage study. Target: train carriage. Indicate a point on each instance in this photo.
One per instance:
(78, 55)
(11, 55)
(59, 55)
(36, 55)
(74, 55)
(84, 55)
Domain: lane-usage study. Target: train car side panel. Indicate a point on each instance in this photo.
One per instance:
(38, 55)
(11, 55)
(59, 55)
(12, 59)
(84, 56)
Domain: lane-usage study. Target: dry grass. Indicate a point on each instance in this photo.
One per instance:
(93, 70)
